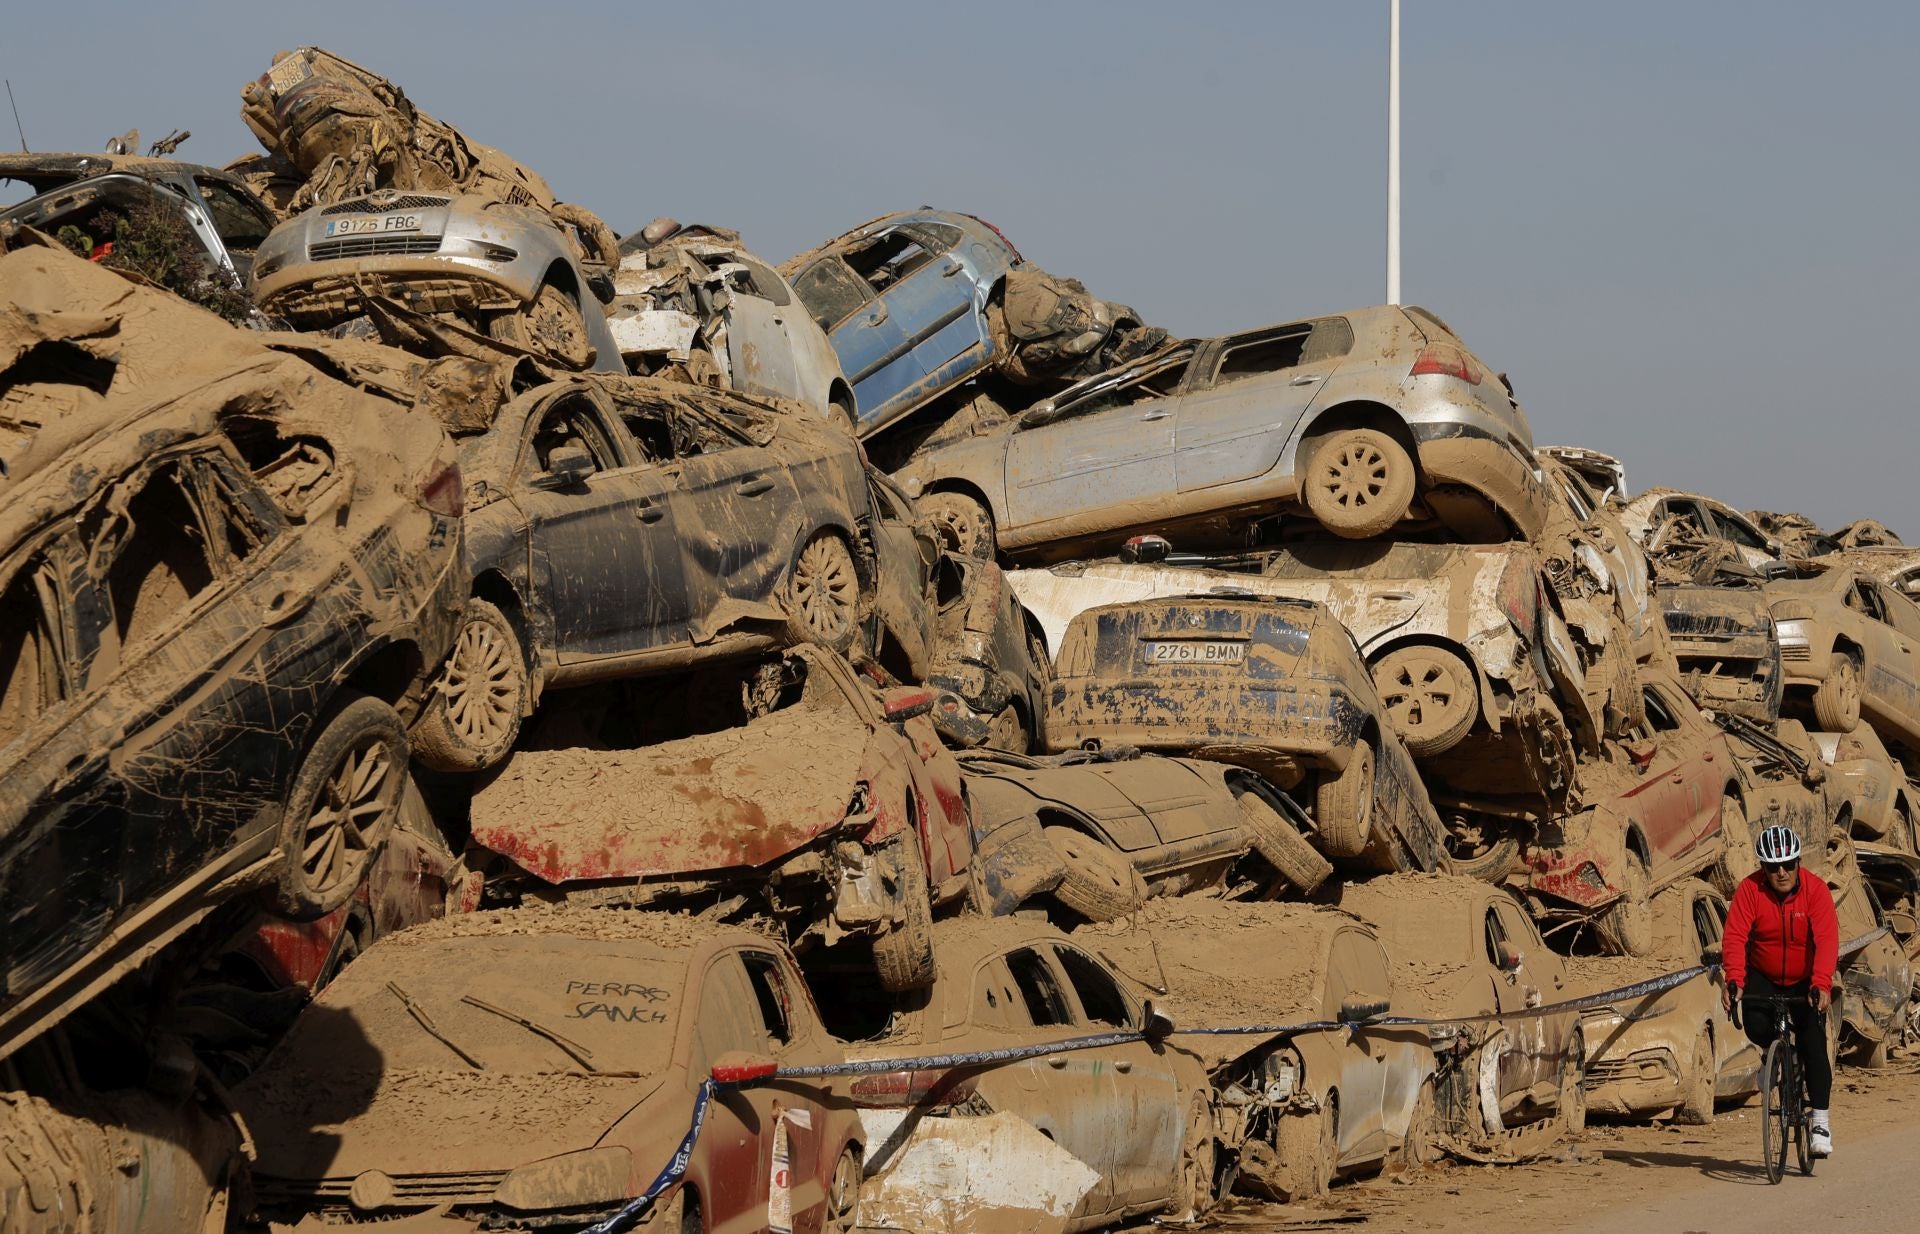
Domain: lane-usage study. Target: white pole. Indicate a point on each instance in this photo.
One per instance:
(1393, 152)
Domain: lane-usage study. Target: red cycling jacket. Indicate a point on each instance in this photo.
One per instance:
(1787, 939)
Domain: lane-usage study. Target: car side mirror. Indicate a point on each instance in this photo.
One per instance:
(743, 1067)
(569, 466)
(1510, 958)
(1155, 1025)
(1359, 1008)
(1710, 954)
(1145, 549)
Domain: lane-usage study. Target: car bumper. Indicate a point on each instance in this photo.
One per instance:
(1312, 723)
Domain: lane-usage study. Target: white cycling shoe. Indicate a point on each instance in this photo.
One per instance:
(1820, 1142)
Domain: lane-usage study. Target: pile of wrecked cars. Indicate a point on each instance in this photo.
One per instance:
(866, 711)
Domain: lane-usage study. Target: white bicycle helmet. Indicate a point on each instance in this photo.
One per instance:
(1777, 845)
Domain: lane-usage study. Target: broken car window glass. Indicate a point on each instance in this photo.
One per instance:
(888, 259)
(770, 992)
(831, 291)
(31, 673)
(1039, 988)
(159, 550)
(238, 222)
(573, 424)
(1100, 997)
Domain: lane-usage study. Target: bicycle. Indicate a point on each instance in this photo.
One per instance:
(1783, 1094)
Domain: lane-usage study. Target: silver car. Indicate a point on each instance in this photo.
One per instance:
(510, 271)
(1331, 414)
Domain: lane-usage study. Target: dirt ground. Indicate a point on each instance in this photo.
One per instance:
(1660, 1179)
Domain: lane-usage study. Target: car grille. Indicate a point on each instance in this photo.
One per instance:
(408, 1189)
(1607, 1070)
(372, 246)
(363, 206)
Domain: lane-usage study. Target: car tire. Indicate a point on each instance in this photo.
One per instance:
(550, 326)
(1283, 847)
(965, 524)
(1626, 925)
(842, 1215)
(1696, 1103)
(340, 807)
(903, 954)
(1486, 853)
(1308, 1148)
(1572, 1104)
(472, 714)
(1359, 483)
(1430, 694)
(1836, 700)
(1008, 731)
(823, 594)
(841, 413)
(1343, 805)
(1099, 884)
(1736, 859)
(1199, 1163)
(1420, 1147)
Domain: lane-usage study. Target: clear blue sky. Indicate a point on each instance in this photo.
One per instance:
(1683, 228)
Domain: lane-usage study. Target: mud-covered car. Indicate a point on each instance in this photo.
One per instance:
(90, 191)
(1898, 566)
(1065, 1141)
(840, 814)
(916, 303)
(1362, 419)
(1675, 1050)
(1296, 1111)
(1672, 525)
(1851, 646)
(1874, 989)
(1273, 685)
(224, 577)
(1125, 826)
(1882, 803)
(1659, 804)
(1466, 948)
(582, 1038)
(1725, 644)
(990, 660)
(618, 527)
(507, 272)
(695, 299)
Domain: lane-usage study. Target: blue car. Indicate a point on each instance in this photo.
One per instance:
(904, 301)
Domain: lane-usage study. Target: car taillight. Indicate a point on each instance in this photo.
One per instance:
(996, 231)
(1446, 360)
(441, 492)
(905, 703)
(921, 1086)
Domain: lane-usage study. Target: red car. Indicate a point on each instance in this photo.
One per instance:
(841, 814)
(1660, 803)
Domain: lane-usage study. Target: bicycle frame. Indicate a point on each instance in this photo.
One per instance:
(1783, 1097)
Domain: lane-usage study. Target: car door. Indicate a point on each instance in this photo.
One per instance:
(604, 549)
(1519, 1066)
(1148, 1138)
(1357, 968)
(737, 1140)
(864, 336)
(795, 1115)
(1240, 413)
(930, 294)
(1680, 785)
(906, 553)
(1891, 691)
(760, 356)
(1106, 455)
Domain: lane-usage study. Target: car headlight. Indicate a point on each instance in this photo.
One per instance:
(1792, 632)
(571, 1180)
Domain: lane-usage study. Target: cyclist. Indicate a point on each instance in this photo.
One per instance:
(1783, 939)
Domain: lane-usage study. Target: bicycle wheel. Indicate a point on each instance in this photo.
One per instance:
(1773, 1114)
(1797, 1094)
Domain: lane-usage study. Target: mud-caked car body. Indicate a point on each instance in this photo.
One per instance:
(1881, 802)
(1725, 645)
(1270, 684)
(1466, 948)
(990, 660)
(224, 579)
(1296, 1111)
(1124, 826)
(1677, 1049)
(841, 814)
(623, 526)
(589, 1034)
(1674, 527)
(1060, 1142)
(1873, 1004)
(1356, 417)
(1851, 646)
(510, 272)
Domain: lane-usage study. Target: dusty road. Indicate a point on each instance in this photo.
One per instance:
(1657, 1180)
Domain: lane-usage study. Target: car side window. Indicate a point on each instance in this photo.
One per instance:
(1515, 929)
(1497, 940)
(1866, 598)
(1161, 383)
(1276, 351)
(831, 291)
(1660, 714)
(771, 994)
(238, 221)
(1706, 922)
(572, 423)
(1100, 995)
(1039, 988)
(34, 671)
(728, 1019)
(1736, 529)
(887, 259)
(159, 540)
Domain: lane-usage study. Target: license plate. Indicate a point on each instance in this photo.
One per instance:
(289, 73)
(379, 223)
(1196, 651)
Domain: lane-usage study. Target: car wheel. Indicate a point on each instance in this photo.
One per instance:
(1696, 1104)
(1421, 1145)
(473, 713)
(1736, 860)
(1199, 1163)
(964, 524)
(1308, 1147)
(1008, 731)
(1430, 694)
(1573, 1087)
(1836, 701)
(1359, 483)
(841, 413)
(1343, 805)
(1626, 925)
(1100, 884)
(843, 1195)
(1282, 845)
(550, 325)
(340, 808)
(823, 594)
(1481, 847)
(903, 954)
